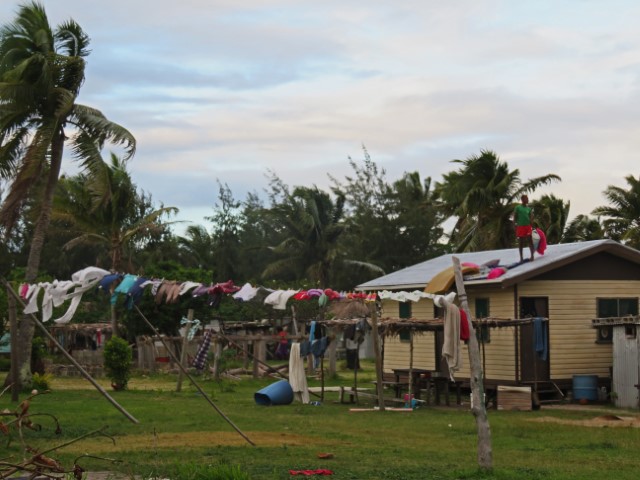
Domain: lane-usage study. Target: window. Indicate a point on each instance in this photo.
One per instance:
(404, 309)
(405, 335)
(614, 307)
(482, 311)
(630, 331)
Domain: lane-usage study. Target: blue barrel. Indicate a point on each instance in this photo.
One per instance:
(585, 387)
(279, 393)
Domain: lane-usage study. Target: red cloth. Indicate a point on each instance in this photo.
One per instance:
(320, 471)
(523, 231)
(464, 326)
(303, 295)
(542, 246)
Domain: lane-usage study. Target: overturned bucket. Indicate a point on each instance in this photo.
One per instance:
(279, 393)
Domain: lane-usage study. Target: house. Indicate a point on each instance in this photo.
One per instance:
(569, 285)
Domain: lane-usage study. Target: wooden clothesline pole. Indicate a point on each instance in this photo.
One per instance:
(185, 344)
(184, 370)
(82, 371)
(378, 355)
(479, 409)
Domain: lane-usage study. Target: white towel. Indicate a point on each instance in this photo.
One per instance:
(451, 345)
(297, 376)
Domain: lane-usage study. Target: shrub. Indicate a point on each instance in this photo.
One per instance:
(41, 381)
(117, 362)
(5, 364)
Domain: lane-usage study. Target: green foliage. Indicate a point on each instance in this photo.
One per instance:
(117, 362)
(622, 214)
(195, 471)
(481, 196)
(42, 381)
(5, 364)
(38, 354)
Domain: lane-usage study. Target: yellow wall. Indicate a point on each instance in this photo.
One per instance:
(572, 347)
(572, 306)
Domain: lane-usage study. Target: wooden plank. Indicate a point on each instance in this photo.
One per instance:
(514, 398)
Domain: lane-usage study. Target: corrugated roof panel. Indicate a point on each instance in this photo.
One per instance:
(418, 276)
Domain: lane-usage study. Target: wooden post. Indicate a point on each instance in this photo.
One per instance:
(257, 354)
(333, 347)
(114, 321)
(183, 352)
(13, 319)
(217, 351)
(479, 409)
(378, 354)
(293, 320)
(245, 355)
(410, 364)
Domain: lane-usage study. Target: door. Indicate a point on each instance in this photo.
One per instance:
(532, 367)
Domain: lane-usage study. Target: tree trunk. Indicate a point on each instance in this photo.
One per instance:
(26, 327)
(479, 409)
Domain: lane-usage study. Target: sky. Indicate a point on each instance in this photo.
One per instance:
(228, 91)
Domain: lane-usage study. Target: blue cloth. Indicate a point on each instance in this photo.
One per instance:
(312, 332)
(305, 348)
(540, 342)
(107, 280)
(318, 347)
(134, 295)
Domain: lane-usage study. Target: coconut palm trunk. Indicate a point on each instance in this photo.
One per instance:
(26, 327)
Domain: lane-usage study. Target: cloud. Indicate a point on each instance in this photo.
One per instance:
(228, 90)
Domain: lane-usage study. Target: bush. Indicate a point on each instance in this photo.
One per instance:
(117, 362)
(42, 381)
(5, 364)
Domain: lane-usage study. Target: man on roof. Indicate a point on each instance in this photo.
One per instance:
(523, 218)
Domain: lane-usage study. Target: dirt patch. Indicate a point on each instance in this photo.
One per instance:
(192, 439)
(608, 420)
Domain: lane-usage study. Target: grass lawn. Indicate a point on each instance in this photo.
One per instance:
(180, 435)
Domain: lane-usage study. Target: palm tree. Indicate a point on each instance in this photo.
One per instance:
(198, 246)
(550, 214)
(311, 224)
(482, 195)
(41, 72)
(583, 228)
(622, 216)
(416, 222)
(105, 209)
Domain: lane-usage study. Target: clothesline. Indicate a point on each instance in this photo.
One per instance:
(132, 287)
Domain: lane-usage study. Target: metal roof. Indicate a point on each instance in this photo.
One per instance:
(419, 275)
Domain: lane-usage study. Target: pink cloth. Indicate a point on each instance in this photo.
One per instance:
(542, 246)
(496, 272)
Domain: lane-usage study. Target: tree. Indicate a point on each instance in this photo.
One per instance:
(106, 210)
(481, 195)
(311, 224)
(583, 228)
(227, 223)
(390, 225)
(41, 72)
(416, 222)
(197, 247)
(622, 215)
(550, 214)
